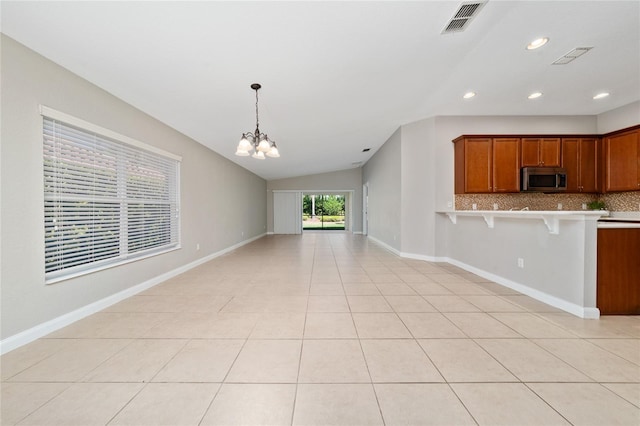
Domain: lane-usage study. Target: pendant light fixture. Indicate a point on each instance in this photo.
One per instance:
(257, 141)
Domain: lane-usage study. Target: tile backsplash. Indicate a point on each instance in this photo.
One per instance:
(621, 201)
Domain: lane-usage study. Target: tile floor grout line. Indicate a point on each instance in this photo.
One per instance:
(304, 327)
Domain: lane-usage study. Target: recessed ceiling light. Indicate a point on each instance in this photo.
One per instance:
(469, 95)
(601, 95)
(535, 95)
(539, 42)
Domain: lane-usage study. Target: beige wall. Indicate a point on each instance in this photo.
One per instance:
(382, 174)
(343, 182)
(222, 204)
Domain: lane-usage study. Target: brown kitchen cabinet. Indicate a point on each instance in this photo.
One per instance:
(540, 152)
(621, 161)
(506, 165)
(485, 165)
(618, 276)
(580, 159)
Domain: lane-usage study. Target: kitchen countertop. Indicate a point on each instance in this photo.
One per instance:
(617, 222)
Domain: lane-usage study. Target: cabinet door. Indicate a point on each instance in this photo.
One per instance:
(549, 149)
(541, 152)
(477, 165)
(530, 152)
(506, 165)
(579, 158)
(621, 162)
(571, 162)
(588, 161)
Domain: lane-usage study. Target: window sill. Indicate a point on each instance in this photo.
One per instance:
(91, 270)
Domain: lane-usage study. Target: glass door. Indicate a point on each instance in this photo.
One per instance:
(323, 212)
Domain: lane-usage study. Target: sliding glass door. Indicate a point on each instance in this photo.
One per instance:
(323, 212)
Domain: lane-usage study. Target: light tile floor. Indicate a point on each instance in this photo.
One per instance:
(327, 329)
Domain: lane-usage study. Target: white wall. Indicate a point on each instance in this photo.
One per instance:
(382, 173)
(619, 118)
(219, 200)
(333, 182)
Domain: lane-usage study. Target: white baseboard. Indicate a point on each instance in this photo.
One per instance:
(384, 245)
(423, 257)
(572, 308)
(40, 330)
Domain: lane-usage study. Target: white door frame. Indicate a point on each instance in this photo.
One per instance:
(365, 208)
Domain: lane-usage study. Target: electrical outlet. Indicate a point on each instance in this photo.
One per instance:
(495, 206)
(449, 204)
(559, 206)
(520, 262)
(474, 206)
(198, 247)
(584, 206)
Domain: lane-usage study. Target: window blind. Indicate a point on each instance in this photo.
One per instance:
(105, 201)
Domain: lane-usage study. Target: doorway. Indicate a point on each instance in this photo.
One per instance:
(323, 212)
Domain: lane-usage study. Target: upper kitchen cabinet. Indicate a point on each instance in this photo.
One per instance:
(621, 161)
(541, 152)
(580, 159)
(473, 165)
(506, 165)
(484, 165)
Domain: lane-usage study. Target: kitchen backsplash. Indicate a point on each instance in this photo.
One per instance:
(621, 201)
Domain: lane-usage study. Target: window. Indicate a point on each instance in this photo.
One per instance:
(108, 199)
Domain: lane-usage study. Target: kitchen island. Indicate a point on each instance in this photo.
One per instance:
(548, 255)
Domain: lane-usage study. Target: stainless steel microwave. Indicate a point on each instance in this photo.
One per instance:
(543, 179)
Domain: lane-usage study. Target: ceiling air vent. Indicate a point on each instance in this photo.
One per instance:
(571, 56)
(466, 12)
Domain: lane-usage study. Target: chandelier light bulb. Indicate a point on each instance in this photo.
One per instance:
(258, 155)
(273, 152)
(244, 144)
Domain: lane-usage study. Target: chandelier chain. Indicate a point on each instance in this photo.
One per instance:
(257, 120)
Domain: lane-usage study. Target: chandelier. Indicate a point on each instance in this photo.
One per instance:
(257, 141)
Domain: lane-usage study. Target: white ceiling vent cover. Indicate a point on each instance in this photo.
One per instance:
(571, 56)
(464, 15)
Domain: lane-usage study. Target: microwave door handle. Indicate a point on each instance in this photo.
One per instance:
(557, 180)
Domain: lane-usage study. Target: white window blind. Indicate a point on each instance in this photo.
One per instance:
(105, 201)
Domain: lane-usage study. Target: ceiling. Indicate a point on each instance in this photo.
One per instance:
(337, 77)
